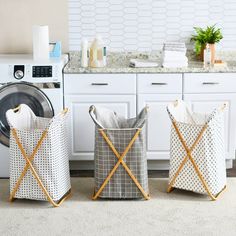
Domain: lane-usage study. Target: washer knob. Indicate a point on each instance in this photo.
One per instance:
(19, 74)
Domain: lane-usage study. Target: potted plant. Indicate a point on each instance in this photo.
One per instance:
(210, 35)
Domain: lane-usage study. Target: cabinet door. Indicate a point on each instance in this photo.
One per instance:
(207, 102)
(158, 125)
(81, 124)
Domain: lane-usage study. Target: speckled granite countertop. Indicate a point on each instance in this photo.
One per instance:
(119, 63)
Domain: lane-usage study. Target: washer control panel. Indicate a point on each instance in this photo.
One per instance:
(41, 71)
(51, 72)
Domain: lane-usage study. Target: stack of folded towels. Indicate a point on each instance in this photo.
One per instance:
(142, 63)
(174, 55)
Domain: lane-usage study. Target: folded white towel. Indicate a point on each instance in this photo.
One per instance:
(174, 65)
(175, 60)
(142, 63)
(173, 43)
(183, 50)
(174, 46)
(173, 54)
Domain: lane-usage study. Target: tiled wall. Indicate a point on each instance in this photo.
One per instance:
(146, 24)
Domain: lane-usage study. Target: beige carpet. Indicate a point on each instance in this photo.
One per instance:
(178, 213)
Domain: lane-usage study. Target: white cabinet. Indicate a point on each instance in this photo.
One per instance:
(123, 92)
(207, 102)
(206, 91)
(158, 125)
(100, 84)
(157, 91)
(80, 124)
(210, 83)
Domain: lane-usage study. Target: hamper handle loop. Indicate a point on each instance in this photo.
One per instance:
(64, 112)
(59, 117)
(222, 108)
(16, 109)
(92, 115)
(216, 111)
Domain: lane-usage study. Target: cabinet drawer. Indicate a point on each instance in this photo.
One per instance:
(99, 84)
(210, 83)
(160, 83)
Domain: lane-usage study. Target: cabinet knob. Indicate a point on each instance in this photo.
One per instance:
(210, 83)
(99, 84)
(159, 84)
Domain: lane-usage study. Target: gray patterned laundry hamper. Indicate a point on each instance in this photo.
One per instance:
(120, 155)
(197, 150)
(39, 164)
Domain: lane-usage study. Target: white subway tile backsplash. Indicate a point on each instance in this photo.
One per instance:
(146, 24)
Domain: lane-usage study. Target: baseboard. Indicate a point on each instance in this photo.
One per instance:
(152, 165)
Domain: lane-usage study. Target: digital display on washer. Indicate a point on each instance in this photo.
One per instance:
(42, 71)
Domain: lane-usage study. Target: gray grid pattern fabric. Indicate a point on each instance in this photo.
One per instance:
(51, 162)
(120, 185)
(209, 153)
(120, 132)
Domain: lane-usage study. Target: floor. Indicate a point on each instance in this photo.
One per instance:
(179, 213)
(151, 174)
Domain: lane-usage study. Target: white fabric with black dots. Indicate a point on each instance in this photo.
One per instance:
(51, 162)
(208, 154)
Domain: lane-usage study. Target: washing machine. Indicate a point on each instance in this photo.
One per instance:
(39, 84)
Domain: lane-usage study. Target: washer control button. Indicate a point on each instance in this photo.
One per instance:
(19, 74)
(19, 71)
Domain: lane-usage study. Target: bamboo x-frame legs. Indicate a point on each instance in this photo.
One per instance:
(190, 157)
(120, 161)
(30, 166)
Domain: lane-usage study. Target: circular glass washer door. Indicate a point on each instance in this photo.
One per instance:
(14, 94)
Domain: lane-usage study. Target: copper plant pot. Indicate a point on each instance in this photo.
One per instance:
(201, 55)
(213, 53)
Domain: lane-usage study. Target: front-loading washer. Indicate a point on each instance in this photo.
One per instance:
(39, 84)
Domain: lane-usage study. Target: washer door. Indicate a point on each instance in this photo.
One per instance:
(13, 94)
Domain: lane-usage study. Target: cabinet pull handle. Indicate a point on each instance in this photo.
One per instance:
(159, 83)
(210, 83)
(100, 84)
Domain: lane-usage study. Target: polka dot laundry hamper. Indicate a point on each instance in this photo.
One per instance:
(197, 150)
(120, 155)
(39, 165)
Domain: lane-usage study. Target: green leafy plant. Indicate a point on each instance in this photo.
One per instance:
(209, 35)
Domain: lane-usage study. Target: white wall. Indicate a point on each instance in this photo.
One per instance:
(18, 16)
(124, 24)
(146, 24)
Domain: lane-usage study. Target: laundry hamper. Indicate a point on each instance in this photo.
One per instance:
(197, 150)
(39, 165)
(120, 155)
